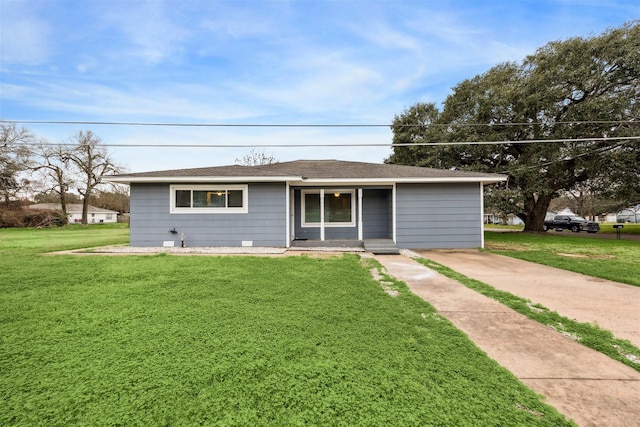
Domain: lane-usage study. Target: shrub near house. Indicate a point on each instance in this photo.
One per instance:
(74, 213)
(31, 218)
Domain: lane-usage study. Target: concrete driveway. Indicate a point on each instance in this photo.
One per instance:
(585, 385)
(610, 305)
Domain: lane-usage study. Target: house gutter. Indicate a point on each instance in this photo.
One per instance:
(199, 179)
(302, 181)
(390, 181)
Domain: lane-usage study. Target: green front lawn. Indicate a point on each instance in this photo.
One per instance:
(617, 260)
(178, 340)
(606, 228)
(19, 241)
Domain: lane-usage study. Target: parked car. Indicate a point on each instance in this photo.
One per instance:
(571, 222)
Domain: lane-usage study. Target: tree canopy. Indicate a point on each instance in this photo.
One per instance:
(92, 162)
(69, 171)
(566, 116)
(15, 158)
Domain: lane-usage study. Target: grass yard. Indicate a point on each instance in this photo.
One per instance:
(178, 340)
(616, 260)
(20, 241)
(629, 228)
(606, 228)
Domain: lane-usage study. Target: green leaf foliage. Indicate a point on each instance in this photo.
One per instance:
(575, 89)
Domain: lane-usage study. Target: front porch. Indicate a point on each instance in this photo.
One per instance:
(346, 216)
(374, 246)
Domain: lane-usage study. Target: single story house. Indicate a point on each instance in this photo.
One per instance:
(631, 215)
(494, 216)
(74, 212)
(280, 204)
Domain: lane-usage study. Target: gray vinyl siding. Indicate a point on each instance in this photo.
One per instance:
(376, 214)
(438, 216)
(264, 224)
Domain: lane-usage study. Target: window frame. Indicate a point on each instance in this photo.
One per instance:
(212, 188)
(304, 223)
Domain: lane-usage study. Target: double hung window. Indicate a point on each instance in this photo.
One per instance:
(209, 199)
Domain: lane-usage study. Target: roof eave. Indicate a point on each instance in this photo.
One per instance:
(431, 180)
(205, 179)
(297, 180)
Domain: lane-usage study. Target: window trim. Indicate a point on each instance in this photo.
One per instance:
(212, 187)
(304, 223)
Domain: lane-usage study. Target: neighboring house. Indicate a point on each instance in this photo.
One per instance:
(551, 214)
(629, 215)
(314, 200)
(74, 212)
(608, 217)
(497, 217)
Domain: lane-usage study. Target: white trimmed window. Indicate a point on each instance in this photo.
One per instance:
(209, 198)
(339, 208)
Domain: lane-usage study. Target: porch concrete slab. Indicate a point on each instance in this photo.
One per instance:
(612, 306)
(583, 384)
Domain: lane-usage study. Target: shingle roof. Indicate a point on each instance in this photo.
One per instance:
(336, 169)
(313, 169)
(222, 171)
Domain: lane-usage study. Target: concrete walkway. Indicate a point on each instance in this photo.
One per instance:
(583, 384)
(612, 306)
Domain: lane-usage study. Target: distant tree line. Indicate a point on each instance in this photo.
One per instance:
(32, 169)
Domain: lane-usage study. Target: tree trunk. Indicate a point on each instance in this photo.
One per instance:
(85, 210)
(85, 205)
(63, 204)
(63, 193)
(535, 211)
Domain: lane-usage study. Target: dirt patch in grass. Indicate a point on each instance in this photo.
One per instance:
(494, 246)
(585, 256)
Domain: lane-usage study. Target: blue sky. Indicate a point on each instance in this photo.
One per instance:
(260, 62)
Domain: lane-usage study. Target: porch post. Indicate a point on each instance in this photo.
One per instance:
(322, 214)
(360, 231)
(394, 212)
(288, 212)
(481, 215)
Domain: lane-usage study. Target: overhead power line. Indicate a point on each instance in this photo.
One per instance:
(299, 145)
(306, 125)
(552, 162)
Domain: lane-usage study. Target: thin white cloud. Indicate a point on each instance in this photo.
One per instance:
(261, 62)
(25, 36)
(241, 21)
(181, 102)
(315, 80)
(152, 34)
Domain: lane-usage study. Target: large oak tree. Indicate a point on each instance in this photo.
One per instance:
(583, 91)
